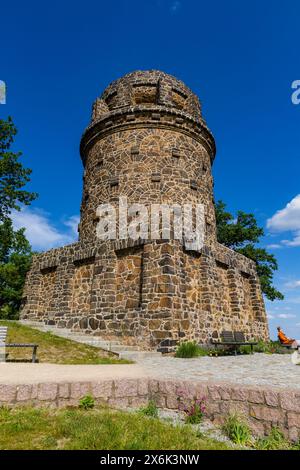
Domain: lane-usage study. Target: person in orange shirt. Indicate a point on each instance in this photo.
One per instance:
(294, 343)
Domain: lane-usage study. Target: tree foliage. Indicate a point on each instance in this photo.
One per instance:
(15, 259)
(15, 250)
(242, 234)
(13, 176)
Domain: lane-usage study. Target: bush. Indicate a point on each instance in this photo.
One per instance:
(266, 347)
(270, 347)
(149, 410)
(237, 430)
(190, 349)
(274, 441)
(87, 402)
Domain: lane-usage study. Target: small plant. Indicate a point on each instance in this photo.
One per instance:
(87, 402)
(203, 351)
(190, 349)
(218, 352)
(274, 441)
(237, 430)
(245, 349)
(149, 410)
(194, 410)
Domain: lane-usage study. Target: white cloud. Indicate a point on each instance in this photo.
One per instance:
(274, 246)
(294, 242)
(286, 315)
(270, 316)
(287, 220)
(72, 222)
(41, 232)
(293, 285)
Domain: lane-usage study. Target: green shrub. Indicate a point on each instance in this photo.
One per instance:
(270, 347)
(274, 441)
(149, 410)
(237, 430)
(202, 351)
(245, 349)
(87, 402)
(190, 349)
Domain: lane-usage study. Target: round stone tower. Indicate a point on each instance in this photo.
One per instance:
(147, 141)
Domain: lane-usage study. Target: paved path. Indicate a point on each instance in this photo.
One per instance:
(16, 373)
(259, 369)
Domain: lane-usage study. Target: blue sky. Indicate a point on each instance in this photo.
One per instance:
(239, 57)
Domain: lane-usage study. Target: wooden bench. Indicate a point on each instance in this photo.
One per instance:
(4, 345)
(234, 340)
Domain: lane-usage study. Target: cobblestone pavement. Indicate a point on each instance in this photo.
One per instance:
(257, 369)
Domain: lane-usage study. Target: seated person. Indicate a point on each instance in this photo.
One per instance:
(285, 340)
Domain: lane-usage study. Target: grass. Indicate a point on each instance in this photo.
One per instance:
(149, 410)
(54, 349)
(275, 441)
(237, 430)
(96, 429)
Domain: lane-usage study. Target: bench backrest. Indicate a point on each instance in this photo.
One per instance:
(227, 337)
(3, 334)
(239, 337)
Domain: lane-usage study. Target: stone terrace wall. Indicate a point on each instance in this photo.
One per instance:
(263, 407)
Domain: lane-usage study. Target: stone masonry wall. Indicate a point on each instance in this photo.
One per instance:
(151, 295)
(148, 142)
(263, 407)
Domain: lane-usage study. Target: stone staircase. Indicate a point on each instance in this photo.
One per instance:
(132, 353)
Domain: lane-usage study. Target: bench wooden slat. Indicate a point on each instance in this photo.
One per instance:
(235, 339)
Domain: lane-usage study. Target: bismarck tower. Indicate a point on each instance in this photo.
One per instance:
(148, 142)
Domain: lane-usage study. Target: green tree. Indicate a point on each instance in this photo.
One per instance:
(13, 176)
(242, 234)
(15, 250)
(15, 260)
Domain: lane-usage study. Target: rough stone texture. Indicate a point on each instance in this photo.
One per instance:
(220, 399)
(147, 141)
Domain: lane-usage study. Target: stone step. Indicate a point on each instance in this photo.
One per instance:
(138, 355)
(122, 350)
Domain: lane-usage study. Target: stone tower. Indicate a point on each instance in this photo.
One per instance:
(148, 142)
